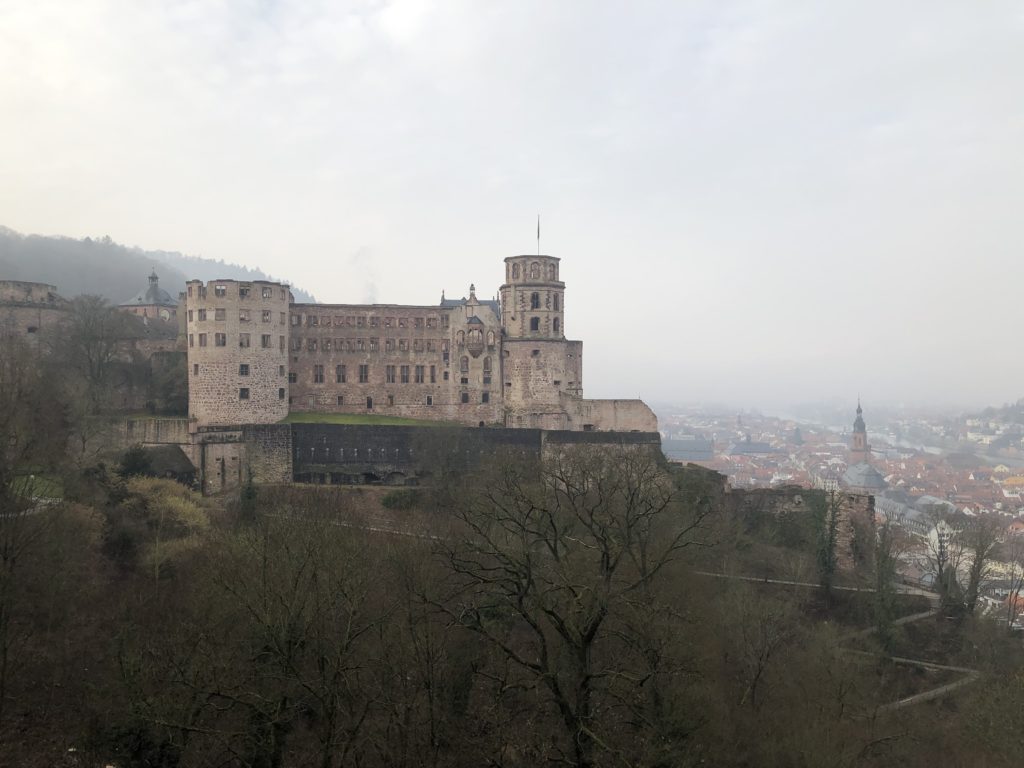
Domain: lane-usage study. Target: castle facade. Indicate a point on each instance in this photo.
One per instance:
(254, 356)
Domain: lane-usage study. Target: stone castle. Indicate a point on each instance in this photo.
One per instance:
(254, 356)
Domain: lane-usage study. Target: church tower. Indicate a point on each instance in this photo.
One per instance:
(860, 451)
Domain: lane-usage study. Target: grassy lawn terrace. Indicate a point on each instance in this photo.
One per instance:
(361, 418)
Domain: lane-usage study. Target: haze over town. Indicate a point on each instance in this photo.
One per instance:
(755, 203)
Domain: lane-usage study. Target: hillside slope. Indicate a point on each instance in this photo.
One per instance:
(108, 269)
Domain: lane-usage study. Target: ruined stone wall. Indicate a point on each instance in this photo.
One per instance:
(237, 351)
(610, 415)
(156, 431)
(268, 452)
(33, 309)
(426, 362)
(539, 375)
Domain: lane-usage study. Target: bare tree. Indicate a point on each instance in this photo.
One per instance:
(556, 564)
(981, 536)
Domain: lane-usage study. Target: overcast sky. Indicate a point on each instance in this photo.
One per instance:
(755, 202)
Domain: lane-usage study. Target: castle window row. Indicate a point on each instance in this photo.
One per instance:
(363, 321)
(393, 374)
(244, 340)
(371, 344)
(244, 315)
(220, 291)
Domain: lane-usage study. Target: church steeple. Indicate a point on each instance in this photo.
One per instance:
(859, 448)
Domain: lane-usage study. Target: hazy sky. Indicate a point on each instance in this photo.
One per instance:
(755, 202)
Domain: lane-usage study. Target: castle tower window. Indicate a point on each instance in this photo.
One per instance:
(265, 341)
(551, 271)
(558, 301)
(364, 375)
(220, 291)
(339, 375)
(243, 393)
(515, 271)
(534, 271)
(243, 340)
(534, 300)
(555, 325)
(243, 369)
(534, 323)
(464, 364)
(318, 374)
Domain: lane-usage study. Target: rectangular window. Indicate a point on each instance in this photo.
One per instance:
(220, 291)
(296, 320)
(389, 322)
(243, 340)
(369, 407)
(374, 344)
(280, 393)
(312, 320)
(191, 340)
(281, 320)
(280, 370)
(374, 322)
(265, 341)
(202, 339)
(360, 322)
(485, 397)
(418, 322)
(389, 374)
(339, 374)
(391, 399)
(464, 380)
(220, 314)
(446, 375)
(420, 378)
(487, 379)
(311, 345)
(404, 374)
(280, 343)
(465, 397)
(293, 377)
(195, 369)
(190, 315)
(341, 399)
(200, 314)
(220, 339)
(318, 374)
(325, 345)
(296, 345)
(243, 369)
(243, 393)
(364, 377)
(403, 322)
(417, 345)
(431, 322)
(266, 315)
(243, 315)
(433, 374)
(430, 399)
(243, 291)
(389, 345)
(268, 293)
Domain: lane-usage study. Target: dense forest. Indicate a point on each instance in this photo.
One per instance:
(101, 267)
(601, 608)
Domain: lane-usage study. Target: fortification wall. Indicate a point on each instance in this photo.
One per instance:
(237, 351)
(611, 415)
(156, 431)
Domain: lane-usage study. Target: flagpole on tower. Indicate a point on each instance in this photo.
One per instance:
(538, 234)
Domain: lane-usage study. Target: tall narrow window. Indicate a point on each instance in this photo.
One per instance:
(556, 325)
(534, 323)
(339, 375)
(318, 374)
(534, 300)
(364, 377)
(464, 364)
(404, 374)
(389, 374)
(558, 302)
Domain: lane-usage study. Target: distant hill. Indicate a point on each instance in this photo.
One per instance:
(105, 268)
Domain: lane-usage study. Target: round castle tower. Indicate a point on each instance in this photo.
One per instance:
(237, 351)
(533, 298)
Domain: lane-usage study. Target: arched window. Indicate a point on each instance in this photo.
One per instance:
(487, 365)
(444, 345)
(556, 325)
(490, 338)
(534, 323)
(464, 364)
(534, 270)
(515, 271)
(558, 302)
(534, 300)
(551, 271)
(460, 338)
